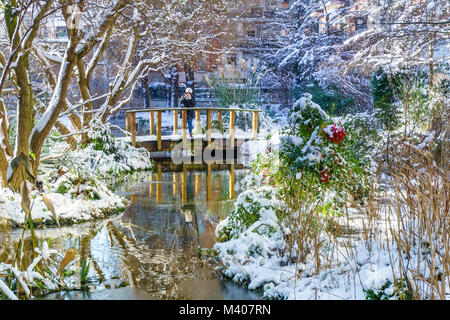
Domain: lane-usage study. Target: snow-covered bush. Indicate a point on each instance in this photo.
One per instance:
(251, 207)
(315, 151)
(104, 155)
(74, 199)
(363, 138)
(251, 235)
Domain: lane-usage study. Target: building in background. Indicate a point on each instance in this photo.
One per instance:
(257, 33)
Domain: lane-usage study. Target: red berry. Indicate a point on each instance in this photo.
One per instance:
(324, 176)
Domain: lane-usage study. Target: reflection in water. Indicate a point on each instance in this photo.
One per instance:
(153, 246)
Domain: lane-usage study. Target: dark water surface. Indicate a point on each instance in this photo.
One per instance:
(152, 250)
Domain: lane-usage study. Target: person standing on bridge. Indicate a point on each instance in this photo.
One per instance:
(188, 101)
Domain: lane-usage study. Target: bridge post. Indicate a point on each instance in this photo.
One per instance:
(158, 133)
(219, 117)
(184, 126)
(232, 123)
(152, 122)
(208, 126)
(130, 124)
(255, 125)
(150, 191)
(175, 122)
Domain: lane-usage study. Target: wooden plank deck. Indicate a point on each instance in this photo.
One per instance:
(168, 142)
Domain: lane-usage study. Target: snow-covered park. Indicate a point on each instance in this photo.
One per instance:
(339, 191)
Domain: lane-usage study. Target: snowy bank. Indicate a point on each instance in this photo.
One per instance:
(103, 156)
(69, 208)
(253, 250)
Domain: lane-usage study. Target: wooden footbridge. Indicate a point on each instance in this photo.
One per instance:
(157, 142)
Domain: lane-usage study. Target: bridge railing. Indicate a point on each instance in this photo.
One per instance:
(156, 130)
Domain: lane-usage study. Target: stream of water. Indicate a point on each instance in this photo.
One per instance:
(151, 250)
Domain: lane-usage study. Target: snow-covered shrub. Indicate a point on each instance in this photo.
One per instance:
(315, 151)
(330, 98)
(253, 208)
(74, 198)
(386, 111)
(79, 184)
(251, 236)
(389, 291)
(362, 135)
(106, 156)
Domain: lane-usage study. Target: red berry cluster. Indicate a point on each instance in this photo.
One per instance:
(324, 176)
(338, 134)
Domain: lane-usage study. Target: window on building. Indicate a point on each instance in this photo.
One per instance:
(232, 59)
(251, 33)
(201, 64)
(361, 24)
(61, 32)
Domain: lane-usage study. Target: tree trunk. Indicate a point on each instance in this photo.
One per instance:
(6, 149)
(406, 108)
(145, 92)
(190, 78)
(5, 129)
(83, 86)
(174, 77)
(3, 168)
(62, 129)
(25, 118)
(169, 93)
(431, 65)
(25, 109)
(57, 103)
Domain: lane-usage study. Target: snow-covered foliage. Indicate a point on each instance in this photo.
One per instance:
(252, 249)
(315, 150)
(104, 155)
(314, 52)
(75, 199)
(400, 35)
(73, 182)
(35, 278)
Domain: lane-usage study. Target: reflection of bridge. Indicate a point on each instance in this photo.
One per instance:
(157, 142)
(180, 184)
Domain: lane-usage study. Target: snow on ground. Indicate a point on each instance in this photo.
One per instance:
(73, 182)
(254, 254)
(125, 159)
(105, 156)
(69, 209)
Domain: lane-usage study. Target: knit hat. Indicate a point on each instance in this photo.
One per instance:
(189, 90)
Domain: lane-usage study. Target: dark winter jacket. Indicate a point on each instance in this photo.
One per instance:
(189, 103)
